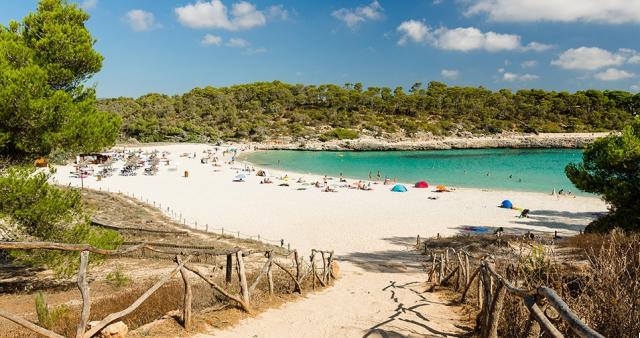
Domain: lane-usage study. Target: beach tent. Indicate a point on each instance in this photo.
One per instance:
(422, 184)
(506, 204)
(399, 188)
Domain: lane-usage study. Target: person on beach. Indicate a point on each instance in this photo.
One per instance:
(395, 180)
(341, 178)
(378, 176)
(325, 180)
(370, 175)
(278, 162)
(561, 192)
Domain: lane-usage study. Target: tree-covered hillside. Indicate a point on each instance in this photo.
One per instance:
(261, 110)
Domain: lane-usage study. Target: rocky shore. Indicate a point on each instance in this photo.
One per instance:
(574, 141)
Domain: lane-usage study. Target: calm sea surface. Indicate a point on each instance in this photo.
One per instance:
(540, 170)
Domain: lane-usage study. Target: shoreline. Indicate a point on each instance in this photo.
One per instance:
(514, 141)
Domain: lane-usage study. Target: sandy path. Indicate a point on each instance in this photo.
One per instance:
(367, 301)
(367, 230)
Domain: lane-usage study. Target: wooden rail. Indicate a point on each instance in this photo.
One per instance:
(180, 258)
(492, 289)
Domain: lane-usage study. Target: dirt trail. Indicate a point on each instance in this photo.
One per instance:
(384, 297)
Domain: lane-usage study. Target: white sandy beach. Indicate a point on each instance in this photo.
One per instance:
(366, 229)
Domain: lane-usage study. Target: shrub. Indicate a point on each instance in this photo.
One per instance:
(46, 318)
(340, 134)
(118, 278)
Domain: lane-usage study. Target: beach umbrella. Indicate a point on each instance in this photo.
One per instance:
(241, 176)
(286, 179)
(441, 187)
(155, 161)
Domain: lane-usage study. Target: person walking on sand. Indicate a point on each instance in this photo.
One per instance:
(378, 176)
(325, 180)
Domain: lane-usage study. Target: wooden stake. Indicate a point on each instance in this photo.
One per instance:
(84, 291)
(244, 290)
(188, 296)
(270, 279)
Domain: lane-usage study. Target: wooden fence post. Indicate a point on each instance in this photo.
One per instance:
(84, 291)
(466, 265)
(228, 271)
(188, 296)
(297, 259)
(496, 310)
(244, 290)
(313, 269)
(442, 269)
(270, 279)
(324, 268)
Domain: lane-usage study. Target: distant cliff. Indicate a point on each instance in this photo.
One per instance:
(574, 141)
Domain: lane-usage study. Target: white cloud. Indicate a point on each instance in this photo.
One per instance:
(614, 12)
(501, 70)
(529, 64)
(613, 74)
(538, 47)
(88, 5)
(211, 40)
(450, 74)
(140, 20)
(237, 42)
(527, 77)
(511, 77)
(635, 88)
(589, 58)
(353, 16)
(507, 62)
(298, 73)
(277, 12)
(414, 30)
(254, 51)
(214, 14)
(463, 39)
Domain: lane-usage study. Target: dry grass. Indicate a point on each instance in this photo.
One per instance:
(604, 292)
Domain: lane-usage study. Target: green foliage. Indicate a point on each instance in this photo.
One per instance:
(32, 209)
(43, 104)
(536, 265)
(47, 318)
(118, 278)
(611, 167)
(269, 109)
(340, 134)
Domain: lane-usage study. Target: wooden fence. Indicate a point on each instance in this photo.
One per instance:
(181, 259)
(449, 263)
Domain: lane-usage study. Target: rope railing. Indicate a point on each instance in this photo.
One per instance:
(182, 220)
(492, 288)
(181, 259)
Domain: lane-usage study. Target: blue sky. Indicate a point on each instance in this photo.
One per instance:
(171, 47)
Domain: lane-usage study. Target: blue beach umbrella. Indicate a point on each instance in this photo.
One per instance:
(241, 176)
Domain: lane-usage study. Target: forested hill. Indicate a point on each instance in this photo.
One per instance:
(262, 110)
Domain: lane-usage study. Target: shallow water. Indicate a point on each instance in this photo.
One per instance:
(537, 170)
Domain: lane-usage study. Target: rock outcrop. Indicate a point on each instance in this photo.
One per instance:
(572, 141)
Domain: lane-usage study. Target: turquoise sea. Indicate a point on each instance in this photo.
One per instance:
(541, 170)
